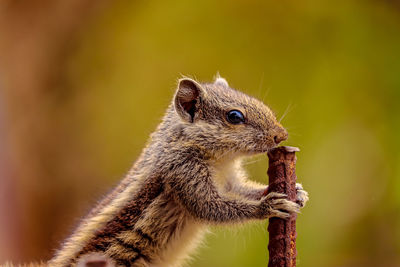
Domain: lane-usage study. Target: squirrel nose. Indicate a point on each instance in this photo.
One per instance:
(281, 136)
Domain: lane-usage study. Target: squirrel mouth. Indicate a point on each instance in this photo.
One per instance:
(268, 147)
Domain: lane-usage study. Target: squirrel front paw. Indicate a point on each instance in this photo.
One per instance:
(301, 198)
(275, 205)
(302, 195)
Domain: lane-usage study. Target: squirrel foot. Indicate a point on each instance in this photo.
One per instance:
(302, 195)
(275, 205)
(301, 198)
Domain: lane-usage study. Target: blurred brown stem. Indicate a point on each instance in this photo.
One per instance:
(282, 233)
(37, 38)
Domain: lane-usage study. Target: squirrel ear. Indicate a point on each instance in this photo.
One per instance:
(218, 80)
(187, 99)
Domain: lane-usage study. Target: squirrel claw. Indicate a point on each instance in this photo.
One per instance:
(275, 195)
(302, 195)
(278, 207)
(280, 214)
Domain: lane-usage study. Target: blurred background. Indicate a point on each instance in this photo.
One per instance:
(83, 83)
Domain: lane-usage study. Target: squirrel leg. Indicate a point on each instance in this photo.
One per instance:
(201, 198)
(238, 184)
(247, 190)
(257, 191)
(95, 260)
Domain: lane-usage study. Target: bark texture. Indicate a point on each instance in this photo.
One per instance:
(282, 233)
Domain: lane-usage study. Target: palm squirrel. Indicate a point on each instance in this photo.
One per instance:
(188, 177)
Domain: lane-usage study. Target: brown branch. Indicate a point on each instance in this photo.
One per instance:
(282, 233)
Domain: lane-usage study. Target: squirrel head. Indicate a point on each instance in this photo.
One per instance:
(224, 121)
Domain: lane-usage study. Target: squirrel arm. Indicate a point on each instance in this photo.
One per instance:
(238, 184)
(195, 190)
(247, 189)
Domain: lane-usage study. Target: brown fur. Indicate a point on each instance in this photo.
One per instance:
(189, 176)
(88, 260)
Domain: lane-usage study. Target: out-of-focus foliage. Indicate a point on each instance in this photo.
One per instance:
(331, 69)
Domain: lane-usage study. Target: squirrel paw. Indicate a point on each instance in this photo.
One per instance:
(302, 195)
(274, 205)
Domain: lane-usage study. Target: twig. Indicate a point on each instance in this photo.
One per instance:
(282, 233)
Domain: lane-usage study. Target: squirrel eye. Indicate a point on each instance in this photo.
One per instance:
(235, 117)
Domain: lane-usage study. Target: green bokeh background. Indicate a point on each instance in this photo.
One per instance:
(332, 68)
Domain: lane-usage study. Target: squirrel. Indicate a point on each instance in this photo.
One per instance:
(189, 176)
